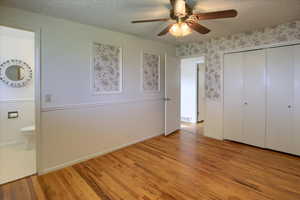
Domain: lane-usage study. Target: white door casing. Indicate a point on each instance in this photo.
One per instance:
(201, 92)
(296, 109)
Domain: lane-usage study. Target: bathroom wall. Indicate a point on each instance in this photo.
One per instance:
(16, 44)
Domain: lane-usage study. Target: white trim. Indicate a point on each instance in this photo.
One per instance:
(14, 142)
(197, 93)
(142, 73)
(121, 65)
(93, 155)
(15, 100)
(97, 104)
(37, 98)
(279, 44)
(193, 56)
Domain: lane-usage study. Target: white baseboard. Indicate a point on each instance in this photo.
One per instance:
(93, 155)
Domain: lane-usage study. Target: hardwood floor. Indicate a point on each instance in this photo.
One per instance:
(183, 166)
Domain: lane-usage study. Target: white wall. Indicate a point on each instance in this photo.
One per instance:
(189, 89)
(16, 44)
(201, 92)
(76, 124)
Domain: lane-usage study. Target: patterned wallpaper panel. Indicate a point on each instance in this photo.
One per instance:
(150, 75)
(214, 47)
(107, 69)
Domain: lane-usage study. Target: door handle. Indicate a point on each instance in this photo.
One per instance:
(289, 106)
(167, 99)
(246, 103)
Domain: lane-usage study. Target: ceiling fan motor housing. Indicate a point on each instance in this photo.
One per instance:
(180, 8)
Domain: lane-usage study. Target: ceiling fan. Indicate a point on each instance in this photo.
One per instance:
(186, 20)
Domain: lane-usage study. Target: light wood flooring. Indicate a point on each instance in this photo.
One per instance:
(182, 166)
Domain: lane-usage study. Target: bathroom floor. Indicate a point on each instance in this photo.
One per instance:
(16, 162)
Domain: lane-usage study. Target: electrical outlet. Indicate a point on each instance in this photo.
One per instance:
(13, 115)
(48, 98)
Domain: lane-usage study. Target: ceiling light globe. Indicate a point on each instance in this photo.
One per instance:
(180, 29)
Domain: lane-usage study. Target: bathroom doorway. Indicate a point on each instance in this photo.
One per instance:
(18, 143)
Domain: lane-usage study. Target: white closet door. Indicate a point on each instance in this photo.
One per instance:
(296, 110)
(254, 123)
(280, 97)
(233, 93)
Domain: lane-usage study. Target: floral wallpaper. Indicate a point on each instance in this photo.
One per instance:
(151, 63)
(107, 69)
(213, 48)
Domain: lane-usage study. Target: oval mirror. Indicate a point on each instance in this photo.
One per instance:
(15, 73)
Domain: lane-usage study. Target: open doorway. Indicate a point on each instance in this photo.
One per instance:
(192, 92)
(17, 104)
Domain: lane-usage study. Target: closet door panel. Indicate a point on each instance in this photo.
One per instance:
(254, 123)
(280, 97)
(296, 110)
(233, 93)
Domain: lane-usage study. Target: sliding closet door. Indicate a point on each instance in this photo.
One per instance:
(280, 98)
(296, 110)
(254, 127)
(233, 93)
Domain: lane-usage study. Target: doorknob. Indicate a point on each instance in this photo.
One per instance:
(289, 106)
(246, 103)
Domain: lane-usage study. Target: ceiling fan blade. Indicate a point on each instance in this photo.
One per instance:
(197, 27)
(150, 20)
(217, 14)
(166, 30)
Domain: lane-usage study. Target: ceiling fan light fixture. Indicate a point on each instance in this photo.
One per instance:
(180, 29)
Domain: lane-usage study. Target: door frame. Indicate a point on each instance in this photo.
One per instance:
(279, 44)
(37, 86)
(198, 60)
(197, 88)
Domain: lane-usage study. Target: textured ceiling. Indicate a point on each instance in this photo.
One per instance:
(117, 14)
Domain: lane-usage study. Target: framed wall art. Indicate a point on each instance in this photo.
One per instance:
(150, 72)
(107, 68)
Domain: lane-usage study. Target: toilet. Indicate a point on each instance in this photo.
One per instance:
(29, 134)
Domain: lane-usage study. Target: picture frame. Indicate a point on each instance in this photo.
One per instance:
(150, 72)
(106, 69)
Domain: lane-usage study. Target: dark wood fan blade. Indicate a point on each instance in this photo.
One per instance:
(217, 14)
(166, 30)
(150, 20)
(197, 27)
